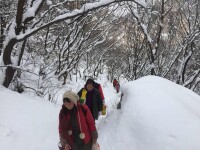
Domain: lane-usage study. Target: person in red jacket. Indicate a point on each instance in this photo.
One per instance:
(77, 129)
(116, 85)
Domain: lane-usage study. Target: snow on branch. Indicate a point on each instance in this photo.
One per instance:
(77, 12)
(192, 79)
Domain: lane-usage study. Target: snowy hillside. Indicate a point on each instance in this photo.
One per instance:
(27, 123)
(156, 114)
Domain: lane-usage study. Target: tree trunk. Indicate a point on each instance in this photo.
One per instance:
(9, 76)
(10, 71)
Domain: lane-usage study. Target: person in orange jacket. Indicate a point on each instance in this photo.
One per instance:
(77, 129)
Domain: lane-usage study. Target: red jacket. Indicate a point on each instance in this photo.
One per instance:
(116, 85)
(115, 82)
(86, 121)
(101, 92)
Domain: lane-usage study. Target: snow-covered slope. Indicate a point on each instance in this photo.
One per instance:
(156, 114)
(27, 124)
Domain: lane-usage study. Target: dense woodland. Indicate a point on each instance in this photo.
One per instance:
(47, 42)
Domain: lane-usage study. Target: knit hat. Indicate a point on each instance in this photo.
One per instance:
(90, 81)
(72, 96)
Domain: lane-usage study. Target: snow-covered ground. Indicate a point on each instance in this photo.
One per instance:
(156, 114)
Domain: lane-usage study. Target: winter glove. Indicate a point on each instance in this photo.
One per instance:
(67, 147)
(62, 143)
(95, 146)
(94, 136)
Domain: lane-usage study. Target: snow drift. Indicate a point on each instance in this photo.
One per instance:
(156, 114)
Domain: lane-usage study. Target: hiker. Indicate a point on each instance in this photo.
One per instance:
(116, 85)
(92, 98)
(77, 129)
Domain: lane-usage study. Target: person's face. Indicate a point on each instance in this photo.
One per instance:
(68, 103)
(90, 87)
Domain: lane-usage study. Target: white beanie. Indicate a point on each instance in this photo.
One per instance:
(72, 96)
